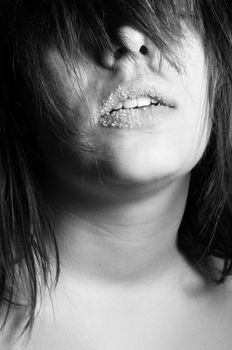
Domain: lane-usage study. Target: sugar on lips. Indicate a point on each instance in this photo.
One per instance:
(122, 109)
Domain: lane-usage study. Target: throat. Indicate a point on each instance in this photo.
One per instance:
(122, 243)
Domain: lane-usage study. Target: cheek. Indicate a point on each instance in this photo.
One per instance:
(195, 112)
(74, 84)
(192, 144)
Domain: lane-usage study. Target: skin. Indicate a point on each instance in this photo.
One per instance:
(129, 194)
(123, 282)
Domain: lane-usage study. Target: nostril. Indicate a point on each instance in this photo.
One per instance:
(143, 50)
(119, 53)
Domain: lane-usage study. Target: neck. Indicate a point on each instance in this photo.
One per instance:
(122, 242)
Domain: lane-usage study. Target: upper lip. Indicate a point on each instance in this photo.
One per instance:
(127, 92)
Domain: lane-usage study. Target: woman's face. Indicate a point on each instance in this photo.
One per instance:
(106, 99)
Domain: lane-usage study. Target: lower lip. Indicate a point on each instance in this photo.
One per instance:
(137, 118)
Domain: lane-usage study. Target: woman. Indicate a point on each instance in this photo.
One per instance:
(116, 174)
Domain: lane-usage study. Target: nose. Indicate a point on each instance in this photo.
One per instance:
(134, 42)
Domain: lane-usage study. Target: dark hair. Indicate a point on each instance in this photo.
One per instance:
(27, 28)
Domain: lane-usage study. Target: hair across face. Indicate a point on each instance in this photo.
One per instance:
(75, 27)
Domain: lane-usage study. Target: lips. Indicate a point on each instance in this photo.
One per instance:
(126, 101)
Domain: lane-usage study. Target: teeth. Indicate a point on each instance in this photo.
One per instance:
(119, 106)
(153, 100)
(130, 103)
(143, 101)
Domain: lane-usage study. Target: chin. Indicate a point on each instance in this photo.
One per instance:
(145, 171)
